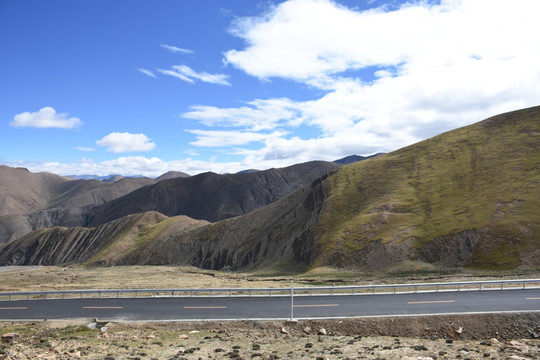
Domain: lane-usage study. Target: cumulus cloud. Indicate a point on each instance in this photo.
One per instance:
(126, 142)
(186, 73)
(388, 77)
(146, 72)
(45, 118)
(129, 166)
(175, 49)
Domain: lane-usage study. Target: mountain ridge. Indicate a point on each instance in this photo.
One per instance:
(464, 198)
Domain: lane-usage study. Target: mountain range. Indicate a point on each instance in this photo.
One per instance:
(465, 198)
(35, 201)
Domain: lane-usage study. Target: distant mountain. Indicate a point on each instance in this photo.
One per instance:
(465, 198)
(35, 201)
(31, 201)
(248, 171)
(211, 196)
(353, 158)
(172, 175)
(108, 178)
(116, 177)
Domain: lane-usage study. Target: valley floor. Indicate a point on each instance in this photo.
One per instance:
(44, 278)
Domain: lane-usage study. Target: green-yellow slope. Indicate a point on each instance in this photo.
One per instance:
(484, 177)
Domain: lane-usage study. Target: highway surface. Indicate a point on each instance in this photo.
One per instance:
(263, 307)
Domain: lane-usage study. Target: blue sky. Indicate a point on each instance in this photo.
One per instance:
(144, 87)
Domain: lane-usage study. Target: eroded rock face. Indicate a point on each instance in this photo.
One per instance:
(453, 250)
(60, 245)
(281, 233)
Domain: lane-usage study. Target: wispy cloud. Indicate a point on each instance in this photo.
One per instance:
(126, 142)
(146, 72)
(45, 118)
(175, 49)
(186, 73)
(209, 138)
(82, 148)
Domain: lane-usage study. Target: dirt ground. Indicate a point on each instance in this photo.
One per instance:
(46, 278)
(502, 336)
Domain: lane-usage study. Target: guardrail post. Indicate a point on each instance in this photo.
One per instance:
(292, 301)
(480, 286)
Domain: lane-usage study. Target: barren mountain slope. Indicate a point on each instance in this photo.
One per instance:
(31, 201)
(213, 197)
(60, 245)
(22, 192)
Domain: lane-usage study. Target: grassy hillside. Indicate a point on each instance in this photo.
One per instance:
(466, 198)
(482, 179)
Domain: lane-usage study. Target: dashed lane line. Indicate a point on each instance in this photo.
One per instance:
(14, 308)
(103, 307)
(431, 302)
(205, 307)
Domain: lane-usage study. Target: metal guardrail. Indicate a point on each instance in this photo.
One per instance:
(295, 291)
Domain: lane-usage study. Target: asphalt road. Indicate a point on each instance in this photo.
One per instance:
(257, 307)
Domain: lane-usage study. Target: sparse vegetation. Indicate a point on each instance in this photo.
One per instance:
(483, 336)
(483, 177)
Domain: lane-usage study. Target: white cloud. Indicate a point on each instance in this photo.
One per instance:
(186, 73)
(176, 75)
(126, 142)
(175, 49)
(45, 118)
(129, 166)
(390, 78)
(82, 148)
(146, 72)
(385, 79)
(209, 138)
(258, 115)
